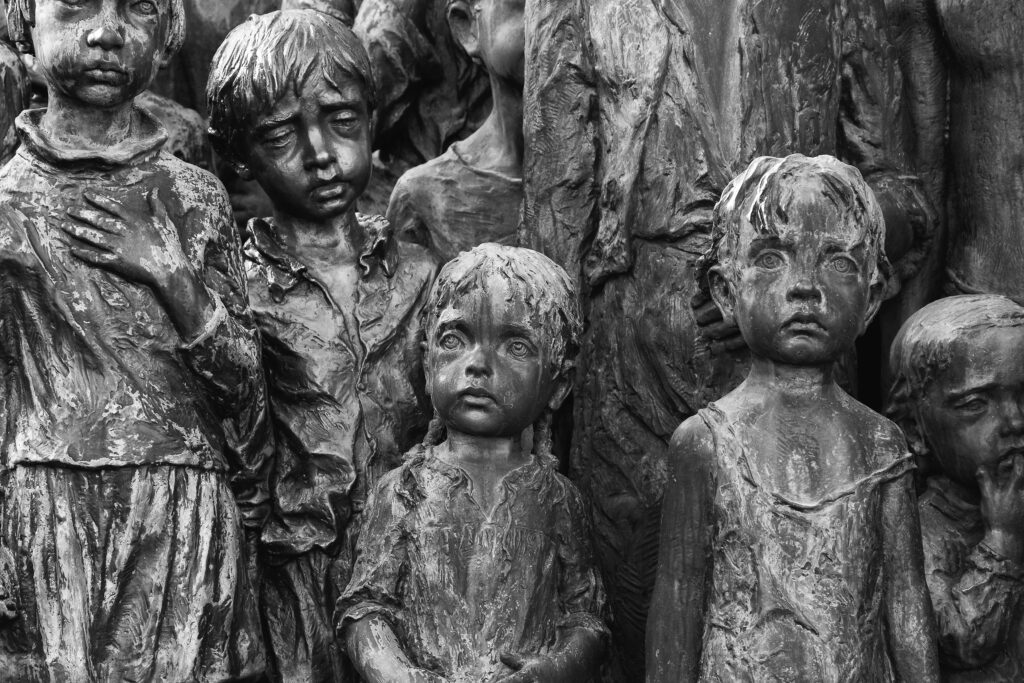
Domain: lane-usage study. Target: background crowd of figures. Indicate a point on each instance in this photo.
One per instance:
(600, 133)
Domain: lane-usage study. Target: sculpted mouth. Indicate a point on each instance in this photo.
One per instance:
(803, 322)
(477, 393)
(107, 73)
(331, 190)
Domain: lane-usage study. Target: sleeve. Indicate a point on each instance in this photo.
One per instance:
(400, 53)
(380, 558)
(976, 607)
(581, 592)
(403, 211)
(226, 359)
(873, 131)
(559, 169)
(342, 10)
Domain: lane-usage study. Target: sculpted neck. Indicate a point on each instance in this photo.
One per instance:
(87, 127)
(467, 449)
(335, 238)
(792, 383)
(498, 145)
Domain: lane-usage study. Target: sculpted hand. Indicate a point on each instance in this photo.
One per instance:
(1002, 506)
(141, 246)
(529, 669)
(722, 335)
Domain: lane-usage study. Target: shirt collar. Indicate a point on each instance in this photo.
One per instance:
(375, 249)
(148, 141)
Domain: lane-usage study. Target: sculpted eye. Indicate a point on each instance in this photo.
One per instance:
(519, 348)
(843, 264)
(971, 405)
(769, 260)
(277, 137)
(145, 7)
(449, 341)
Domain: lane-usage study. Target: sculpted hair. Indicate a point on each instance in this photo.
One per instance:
(549, 295)
(21, 17)
(925, 347)
(772, 190)
(270, 54)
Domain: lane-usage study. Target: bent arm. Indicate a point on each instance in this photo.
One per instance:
(675, 625)
(912, 634)
(378, 656)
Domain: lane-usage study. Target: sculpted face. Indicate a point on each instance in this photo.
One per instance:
(492, 31)
(487, 366)
(803, 295)
(972, 413)
(100, 52)
(311, 151)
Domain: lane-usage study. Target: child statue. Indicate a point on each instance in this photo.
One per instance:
(473, 193)
(132, 387)
(474, 562)
(959, 366)
(337, 301)
(790, 544)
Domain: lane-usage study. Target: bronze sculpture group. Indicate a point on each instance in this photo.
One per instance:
(581, 408)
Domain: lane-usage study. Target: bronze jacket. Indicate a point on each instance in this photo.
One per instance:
(345, 378)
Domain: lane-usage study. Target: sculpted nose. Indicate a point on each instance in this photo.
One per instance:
(478, 364)
(1013, 418)
(803, 289)
(106, 36)
(320, 155)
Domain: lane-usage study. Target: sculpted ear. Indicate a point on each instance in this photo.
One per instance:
(876, 295)
(563, 385)
(462, 20)
(225, 152)
(722, 294)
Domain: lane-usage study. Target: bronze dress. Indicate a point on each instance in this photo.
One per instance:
(797, 586)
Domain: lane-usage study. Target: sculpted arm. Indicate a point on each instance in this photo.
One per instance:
(909, 612)
(675, 626)
(977, 607)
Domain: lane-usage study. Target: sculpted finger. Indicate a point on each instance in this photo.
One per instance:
(513, 660)
(96, 258)
(707, 313)
(90, 237)
(105, 204)
(984, 477)
(157, 206)
(95, 219)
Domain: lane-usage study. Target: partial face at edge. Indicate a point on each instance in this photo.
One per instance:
(800, 297)
(100, 52)
(972, 412)
(488, 369)
(494, 31)
(311, 151)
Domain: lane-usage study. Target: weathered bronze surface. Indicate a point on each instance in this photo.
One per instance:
(338, 305)
(959, 385)
(637, 115)
(473, 193)
(132, 393)
(474, 562)
(790, 543)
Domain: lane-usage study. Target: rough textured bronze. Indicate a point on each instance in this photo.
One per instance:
(338, 305)
(964, 63)
(474, 562)
(790, 543)
(636, 116)
(132, 393)
(473, 193)
(430, 93)
(959, 368)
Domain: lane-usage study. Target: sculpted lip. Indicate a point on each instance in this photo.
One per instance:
(803, 322)
(331, 190)
(476, 395)
(107, 73)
